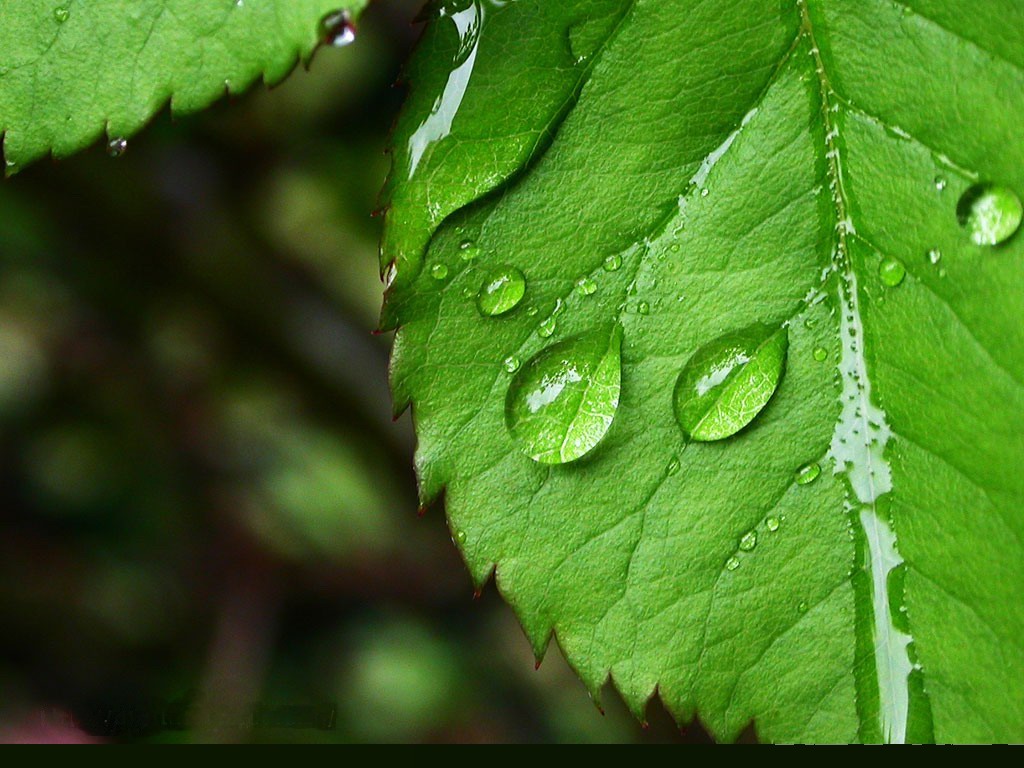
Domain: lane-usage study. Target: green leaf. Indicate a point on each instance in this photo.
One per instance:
(710, 166)
(72, 71)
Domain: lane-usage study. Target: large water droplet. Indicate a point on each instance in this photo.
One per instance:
(337, 29)
(501, 292)
(990, 213)
(562, 402)
(729, 380)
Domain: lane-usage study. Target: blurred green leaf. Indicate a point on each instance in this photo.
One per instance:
(72, 71)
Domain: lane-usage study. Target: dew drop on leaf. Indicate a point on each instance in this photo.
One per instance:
(732, 563)
(61, 14)
(802, 607)
(117, 146)
(729, 380)
(561, 403)
(820, 354)
(643, 308)
(585, 286)
(773, 524)
(547, 327)
(502, 290)
(439, 271)
(940, 183)
(990, 213)
(934, 256)
(673, 466)
(337, 29)
(511, 364)
(390, 273)
(808, 473)
(891, 272)
(612, 263)
(468, 250)
(461, 537)
(749, 541)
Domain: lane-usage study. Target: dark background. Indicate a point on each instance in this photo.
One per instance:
(209, 518)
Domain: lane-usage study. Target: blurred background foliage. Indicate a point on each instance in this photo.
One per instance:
(209, 517)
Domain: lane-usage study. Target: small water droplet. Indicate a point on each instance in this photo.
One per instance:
(511, 364)
(940, 183)
(808, 473)
(337, 29)
(547, 327)
(117, 146)
(673, 465)
(773, 524)
(468, 250)
(810, 322)
(674, 247)
(990, 213)
(561, 403)
(802, 607)
(749, 541)
(461, 537)
(934, 256)
(585, 286)
(732, 563)
(704, 192)
(531, 311)
(612, 263)
(891, 272)
(61, 14)
(729, 380)
(439, 271)
(390, 273)
(501, 292)
(643, 308)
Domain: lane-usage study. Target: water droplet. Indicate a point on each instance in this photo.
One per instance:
(511, 364)
(891, 272)
(732, 563)
(934, 256)
(704, 192)
(561, 403)
(940, 183)
(439, 271)
(461, 537)
(468, 250)
(729, 380)
(117, 146)
(61, 14)
(820, 354)
(749, 541)
(673, 465)
(390, 273)
(337, 29)
(990, 213)
(585, 286)
(810, 322)
(643, 308)
(802, 607)
(808, 473)
(501, 292)
(612, 263)
(773, 524)
(547, 327)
